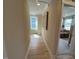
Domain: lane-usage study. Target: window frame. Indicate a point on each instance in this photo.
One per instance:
(36, 22)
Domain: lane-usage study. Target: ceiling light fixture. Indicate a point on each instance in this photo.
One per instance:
(38, 4)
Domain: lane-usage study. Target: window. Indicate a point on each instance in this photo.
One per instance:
(34, 22)
(67, 24)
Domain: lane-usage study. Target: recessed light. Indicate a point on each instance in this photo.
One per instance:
(38, 4)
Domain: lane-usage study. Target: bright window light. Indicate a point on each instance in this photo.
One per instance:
(34, 22)
(67, 24)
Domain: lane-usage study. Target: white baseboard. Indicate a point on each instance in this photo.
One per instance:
(27, 53)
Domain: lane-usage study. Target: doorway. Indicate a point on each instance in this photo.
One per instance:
(66, 32)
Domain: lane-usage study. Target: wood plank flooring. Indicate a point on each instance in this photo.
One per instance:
(38, 49)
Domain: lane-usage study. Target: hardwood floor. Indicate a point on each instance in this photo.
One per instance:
(63, 47)
(37, 48)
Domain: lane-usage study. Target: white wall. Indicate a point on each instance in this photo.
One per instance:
(16, 28)
(54, 23)
(72, 45)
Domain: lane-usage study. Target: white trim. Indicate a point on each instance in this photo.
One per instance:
(27, 53)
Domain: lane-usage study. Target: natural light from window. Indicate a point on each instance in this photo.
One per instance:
(34, 22)
(67, 24)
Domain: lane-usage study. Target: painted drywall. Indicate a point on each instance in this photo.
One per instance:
(16, 28)
(72, 45)
(54, 22)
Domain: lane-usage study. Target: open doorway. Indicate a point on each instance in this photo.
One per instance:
(67, 32)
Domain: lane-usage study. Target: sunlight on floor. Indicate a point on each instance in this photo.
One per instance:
(34, 40)
(36, 36)
(38, 49)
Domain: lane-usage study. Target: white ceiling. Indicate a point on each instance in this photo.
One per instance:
(36, 10)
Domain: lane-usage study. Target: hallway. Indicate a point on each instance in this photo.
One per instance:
(39, 19)
(38, 49)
